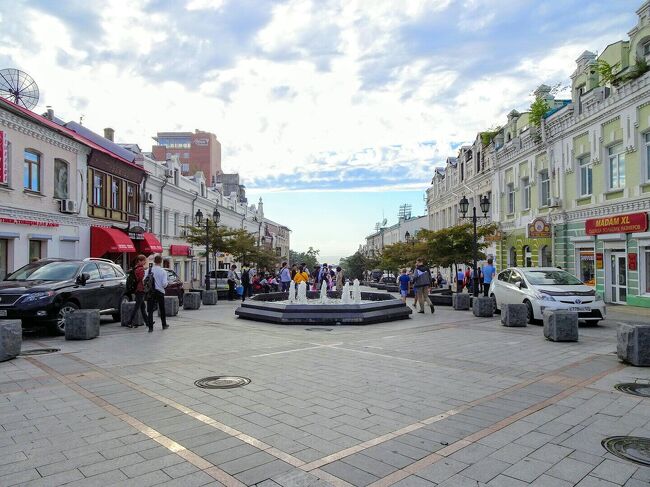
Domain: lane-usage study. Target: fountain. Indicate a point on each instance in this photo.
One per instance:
(350, 306)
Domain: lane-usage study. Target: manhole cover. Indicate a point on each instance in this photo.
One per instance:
(39, 351)
(633, 448)
(634, 388)
(318, 329)
(222, 382)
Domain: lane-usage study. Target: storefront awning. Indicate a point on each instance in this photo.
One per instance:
(105, 240)
(149, 244)
(180, 250)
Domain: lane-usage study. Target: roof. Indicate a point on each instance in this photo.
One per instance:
(63, 130)
(110, 146)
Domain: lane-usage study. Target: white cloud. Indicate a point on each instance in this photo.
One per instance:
(204, 4)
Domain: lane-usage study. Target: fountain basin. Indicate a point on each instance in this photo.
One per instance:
(273, 308)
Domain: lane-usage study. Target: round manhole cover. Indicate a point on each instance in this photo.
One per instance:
(634, 388)
(318, 329)
(633, 448)
(39, 351)
(222, 382)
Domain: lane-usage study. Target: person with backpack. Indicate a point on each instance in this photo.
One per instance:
(421, 284)
(245, 281)
(154, 285)
(135, 285)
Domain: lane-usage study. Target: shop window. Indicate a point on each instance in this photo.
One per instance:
(131, 199)
(616, 166)
(646, 269)
(32, 171)
(545, 256)
(35, 250)
(545, 188)
(177, 268)
(61, 176)
(4, 258)
(586, 175)
(587, 267)
(511, 198)
(512, 257)
(528, 256)
(99, 181)
(525, 194)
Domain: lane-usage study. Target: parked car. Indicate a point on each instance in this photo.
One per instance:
(376, 275)
(175, 286)
(542, 288)
(219, 279)
(47, 290)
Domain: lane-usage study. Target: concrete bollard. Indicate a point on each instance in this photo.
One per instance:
(192, 300)
(514, 315)
(210, 297)
(171, 306)
(11, 339)
(561, 325)
(633, 344)
(82, 324)
(460, 301)
(483, 307)
(127, 310)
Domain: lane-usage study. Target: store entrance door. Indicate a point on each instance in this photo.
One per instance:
(617, 277)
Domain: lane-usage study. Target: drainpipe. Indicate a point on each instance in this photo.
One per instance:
(143, 203)
(165, 181)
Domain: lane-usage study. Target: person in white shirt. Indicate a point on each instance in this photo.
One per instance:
(285, 277)
(157, 294)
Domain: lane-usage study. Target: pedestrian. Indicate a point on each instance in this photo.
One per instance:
(422, 283)
(488, 275)
(285, 277)
(460, 279)
(138, 276)
(245, 282)
(439, 280)
(294, 271)
(468, 279)
(233, 279)
(404, 281)
(301, 276)
(340, 279)
(156, 291)
(316, 278)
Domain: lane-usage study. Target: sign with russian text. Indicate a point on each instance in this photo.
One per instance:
(633, 222)
(34, 223)
(3, 157)
(631, 262)
(539, 228)
(599, 260)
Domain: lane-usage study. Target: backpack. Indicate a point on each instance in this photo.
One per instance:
(149, 283)
(131, 282)
(245, 277)
(423, 279)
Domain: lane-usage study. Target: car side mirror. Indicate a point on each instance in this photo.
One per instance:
(520, 284)
(83, 278)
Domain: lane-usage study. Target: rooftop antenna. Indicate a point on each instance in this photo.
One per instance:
(405, 211)
(81, 120)
(18, 87)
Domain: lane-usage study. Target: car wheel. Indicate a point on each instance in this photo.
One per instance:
(118, 316)
(67, 308)
(495, 309)
(531, 314)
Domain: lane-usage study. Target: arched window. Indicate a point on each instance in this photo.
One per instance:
(528, 257)
(512, 257)
(545, 256)
(32, 170)
(61, 177)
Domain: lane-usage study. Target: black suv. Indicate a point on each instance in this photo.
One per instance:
(47, 290)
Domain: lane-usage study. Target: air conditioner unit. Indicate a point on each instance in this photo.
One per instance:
(68, 206)
(148, 196)
(555, 202)
(169, 173)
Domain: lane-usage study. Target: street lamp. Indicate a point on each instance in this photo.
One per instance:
(485, 208)
(198, 217)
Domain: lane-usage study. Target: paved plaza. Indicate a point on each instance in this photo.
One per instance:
(447, 400)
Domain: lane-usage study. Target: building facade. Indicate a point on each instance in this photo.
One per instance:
(196, 151)
(404, 229)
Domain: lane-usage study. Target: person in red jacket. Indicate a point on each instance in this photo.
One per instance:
(139, 292)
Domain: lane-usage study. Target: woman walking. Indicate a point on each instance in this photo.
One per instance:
(339, 279)
(139, 293)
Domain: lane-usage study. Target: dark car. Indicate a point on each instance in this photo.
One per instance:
(174, 286)
(47, 290)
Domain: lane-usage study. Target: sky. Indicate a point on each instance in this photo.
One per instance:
(334, 111)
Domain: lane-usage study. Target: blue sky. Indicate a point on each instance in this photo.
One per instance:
(342, 100)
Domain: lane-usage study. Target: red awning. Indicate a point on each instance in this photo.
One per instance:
(181, 250)
(105, 240)
(149, 244)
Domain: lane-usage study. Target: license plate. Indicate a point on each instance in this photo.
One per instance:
(3, 312)
(580, 308)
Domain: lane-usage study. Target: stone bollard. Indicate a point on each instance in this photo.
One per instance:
(561, 325)
(514, 315)
(192, 300)
(210, 297)
(460, 301)
(483, 307)
(127, 310)
(633, 344)
(11, 339)
(171, 306)
(82, 324)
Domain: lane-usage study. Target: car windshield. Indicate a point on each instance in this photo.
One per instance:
(552, 277)
(45, 271)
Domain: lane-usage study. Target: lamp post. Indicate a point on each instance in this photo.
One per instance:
(485, 208)
(198, 217)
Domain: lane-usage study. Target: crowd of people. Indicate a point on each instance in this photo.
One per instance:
(465, 278)
(147, 286)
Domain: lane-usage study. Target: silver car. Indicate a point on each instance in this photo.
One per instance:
(219, 280)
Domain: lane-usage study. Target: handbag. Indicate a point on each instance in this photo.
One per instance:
(239, 290)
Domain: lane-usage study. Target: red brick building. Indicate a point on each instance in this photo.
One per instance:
(197, 151)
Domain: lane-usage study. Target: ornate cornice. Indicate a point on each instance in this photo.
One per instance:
(36, 131)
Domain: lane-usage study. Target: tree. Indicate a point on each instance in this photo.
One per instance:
(310, 257)
(355, 265)
(266, 259)
(454, 245)
(400, 254)
(538, 109)
(218, 237)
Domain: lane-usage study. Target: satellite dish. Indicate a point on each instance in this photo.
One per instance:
(18, 87)
(383, 224)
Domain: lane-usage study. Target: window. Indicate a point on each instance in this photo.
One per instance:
(545, 256)
(616, 166)
(165, 222)
(587, 266)
(98, 188)
(32, 171)
(35, 250)
(106, 270)
(647, 155)
(646, 268)
(150, 218)
(545, 188)
(186, 221)
(525, 194)
(586, 168)
(515, 278)
(512, 257)
(175, 223)
(91, 270)
(116, 195)
(511, 198)
(504, 276)
(528, 256)
(646, 49)
(176, 177)
(177, 270)
(60, 179)
(131, 199)
(186, 274)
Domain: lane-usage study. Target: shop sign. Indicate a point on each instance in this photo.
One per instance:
(135, 235)
(3, 157)
(634, 222)
(599, 260)
(631, 262)
(493, 238)
(539, 228)
(19, 221)
(201, 141)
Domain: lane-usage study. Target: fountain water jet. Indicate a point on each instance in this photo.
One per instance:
(323, 293)
(345, 294)
(292, 292)
(356, 292)
(301, 295)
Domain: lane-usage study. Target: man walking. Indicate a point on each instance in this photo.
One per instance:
(285, 277)
(158, 277)
(488, 274)
(245, 282)
(421, 284)
(232, 282)
(460, 279)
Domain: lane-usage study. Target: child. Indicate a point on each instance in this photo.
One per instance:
(404, 281)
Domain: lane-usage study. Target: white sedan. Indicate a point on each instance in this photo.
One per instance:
(541, 288)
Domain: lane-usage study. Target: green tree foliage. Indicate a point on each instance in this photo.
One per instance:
(537, 111)
(606, 72)
(355, 265)
(219, 237)
(310, 257)
(401, 254)
(454, 245)
(488, 135)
